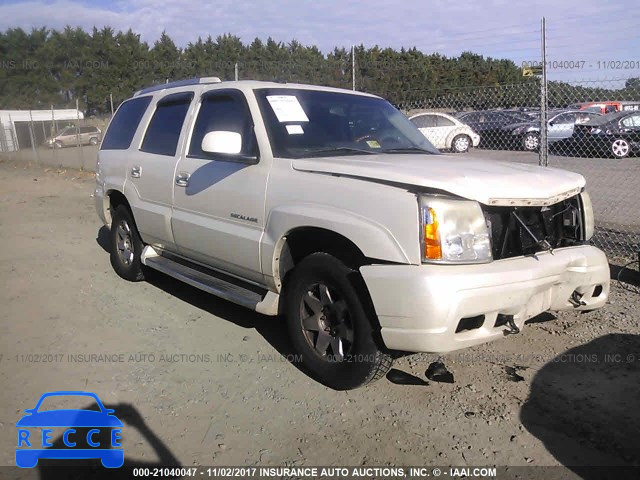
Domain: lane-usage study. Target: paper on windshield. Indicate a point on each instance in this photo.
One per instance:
(287, 108)
(295, 129)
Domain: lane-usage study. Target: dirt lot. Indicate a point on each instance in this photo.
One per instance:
(199, 381)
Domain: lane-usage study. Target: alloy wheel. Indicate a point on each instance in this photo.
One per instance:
(124, 243)
(326, 323)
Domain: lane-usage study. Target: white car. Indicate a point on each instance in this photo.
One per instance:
(446, 132)
(330, 207)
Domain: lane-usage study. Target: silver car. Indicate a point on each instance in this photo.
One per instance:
(72, 135)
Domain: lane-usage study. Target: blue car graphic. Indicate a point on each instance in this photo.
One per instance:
(28, 453)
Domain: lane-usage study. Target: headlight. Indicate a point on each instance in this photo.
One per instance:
(453, 231)
(587, 212)
(595, 130)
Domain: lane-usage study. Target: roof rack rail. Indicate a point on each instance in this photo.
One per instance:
(178, 83)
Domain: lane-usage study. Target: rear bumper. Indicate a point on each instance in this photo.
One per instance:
(420, 307)
(98, 198)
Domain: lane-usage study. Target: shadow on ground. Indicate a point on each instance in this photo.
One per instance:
(584, 406)
(82, 469)
(273, 329)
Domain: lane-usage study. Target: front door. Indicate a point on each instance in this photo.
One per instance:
(218, 216)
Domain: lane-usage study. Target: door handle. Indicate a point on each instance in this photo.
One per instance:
(182, 179)
(136, 171)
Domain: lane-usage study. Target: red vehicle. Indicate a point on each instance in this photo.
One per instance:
(609, 106)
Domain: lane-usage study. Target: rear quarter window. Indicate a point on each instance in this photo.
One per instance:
(125, 123)
(164, 129)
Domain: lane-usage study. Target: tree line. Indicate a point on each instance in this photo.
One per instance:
(49, 67)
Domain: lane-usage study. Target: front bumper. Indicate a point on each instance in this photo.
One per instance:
(420, 307)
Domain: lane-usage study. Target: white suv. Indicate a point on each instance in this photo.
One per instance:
(330, 207)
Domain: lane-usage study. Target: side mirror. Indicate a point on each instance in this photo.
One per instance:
(229, 143)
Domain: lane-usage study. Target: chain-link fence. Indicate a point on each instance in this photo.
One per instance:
(592, 128)
(58, 137)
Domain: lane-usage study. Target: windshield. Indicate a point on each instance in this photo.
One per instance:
(307, 123)
(67, 131)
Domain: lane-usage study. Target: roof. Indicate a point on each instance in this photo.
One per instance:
(8, 116)
(247, 84)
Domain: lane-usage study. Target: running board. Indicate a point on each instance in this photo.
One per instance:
(212, 282)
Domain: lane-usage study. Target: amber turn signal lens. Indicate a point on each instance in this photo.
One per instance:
(432, 247)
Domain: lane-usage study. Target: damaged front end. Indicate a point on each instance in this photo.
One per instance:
(526, 230)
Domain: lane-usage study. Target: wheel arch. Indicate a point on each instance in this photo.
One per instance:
(297, 231)
(114, 198)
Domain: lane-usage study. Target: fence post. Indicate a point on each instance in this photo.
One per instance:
(78, 135)
(52, 133)
(353, 67)
(33, 140)
(543, 148)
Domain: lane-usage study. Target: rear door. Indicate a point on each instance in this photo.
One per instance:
(218, 216)
(151, 168)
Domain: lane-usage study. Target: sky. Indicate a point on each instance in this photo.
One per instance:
(586, 39)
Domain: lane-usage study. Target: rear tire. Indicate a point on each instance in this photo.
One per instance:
(126, 245)
(329, 327)
(461, 143)
(620, 148)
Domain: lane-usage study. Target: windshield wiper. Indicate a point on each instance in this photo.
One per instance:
(337, 150)
(407, 150)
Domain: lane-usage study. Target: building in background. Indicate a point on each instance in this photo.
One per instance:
(21, 129)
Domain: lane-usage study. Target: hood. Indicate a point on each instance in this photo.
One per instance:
(486, 181)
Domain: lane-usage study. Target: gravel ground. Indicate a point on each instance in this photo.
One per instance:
(199, 381)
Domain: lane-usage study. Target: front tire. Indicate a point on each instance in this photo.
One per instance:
(531, 142)
(93, 141)
(461, 143)
(620, 148)
(126, 245)
(329, 327)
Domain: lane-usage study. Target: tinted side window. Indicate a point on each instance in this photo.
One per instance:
(443, 122)
(565, 118)
(423, 121)
(223, 111)
(632, 121)
(164, 129)
(125, 123)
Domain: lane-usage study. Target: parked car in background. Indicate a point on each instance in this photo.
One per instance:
(490, 125)
(73, 135)
(446, 132)
(605, 107)
(616, 134)
(560, 125)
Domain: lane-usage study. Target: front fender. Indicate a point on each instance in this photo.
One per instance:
(373, 239)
